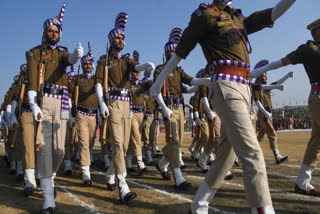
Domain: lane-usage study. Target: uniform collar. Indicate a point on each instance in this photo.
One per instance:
(88, 75)
(49, 46)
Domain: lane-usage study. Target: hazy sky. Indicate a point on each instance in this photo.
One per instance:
(148, 28)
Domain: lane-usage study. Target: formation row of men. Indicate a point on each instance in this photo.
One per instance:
(222, 33)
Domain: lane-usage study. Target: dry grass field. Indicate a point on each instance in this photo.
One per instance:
(158, 196)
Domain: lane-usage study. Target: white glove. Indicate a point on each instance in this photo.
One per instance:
(267, 114)
(198, 121)
(7, 113)
(71, 121)
(32, 98)
(147, 67)
(76, 55)
(251, 118)
(168, 68)
(283, 79)
(103, 107)
(193, 89)
(13, 119)
(270, 87)
(206, 105)
(281, 8)
(271, 66)
(200, 81)
(167, 113)
(187, 105)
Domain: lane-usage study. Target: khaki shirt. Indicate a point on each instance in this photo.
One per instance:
(118, 72)
(138, 92)
(55, 63)
(149, 103)
(264, 97)
(194, 102)
(308, 55)
(221, 42)
(175, 79)
(87, 94)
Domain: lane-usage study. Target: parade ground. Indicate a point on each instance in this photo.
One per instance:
(155, 195)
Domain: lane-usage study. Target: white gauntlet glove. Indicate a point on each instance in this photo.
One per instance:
(167, 113)
(271, 66)
(267, 114)
(7, 113)
(146, 67)
(13, 119)
(76, 55)
(168, 68)
(36, 111)
(201, 81)
(71, 120)
(270, 87)
(198, 121)
(103, 107)
(206, 105)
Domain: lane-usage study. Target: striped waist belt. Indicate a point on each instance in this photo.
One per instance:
(54, 91)
(26, 108)
(232, 70)
(315, 88)
(87, 110)
(138, 109)
(118, 94)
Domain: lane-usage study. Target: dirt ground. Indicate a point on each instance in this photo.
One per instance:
(158, 196)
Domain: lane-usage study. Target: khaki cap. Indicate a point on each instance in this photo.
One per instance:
(314, 25)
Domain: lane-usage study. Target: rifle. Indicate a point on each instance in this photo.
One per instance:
(75, 99)
(39, 96)
(103, 127)
(18, 114)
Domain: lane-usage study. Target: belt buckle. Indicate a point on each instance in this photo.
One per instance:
(123, 93)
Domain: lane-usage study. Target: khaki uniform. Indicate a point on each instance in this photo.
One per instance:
(86, 122)
(138, 92)
(220, 41)
(119, 123)
(308, 55)
(172, 95)
(148, 133)
(27, 127)
(266, 126)
(53, 133)
(194, 102)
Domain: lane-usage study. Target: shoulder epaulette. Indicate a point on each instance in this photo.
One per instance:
(100, 59)
(63, 47)
(205, 6)
(311, 42)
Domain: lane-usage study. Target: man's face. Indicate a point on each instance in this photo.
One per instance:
(264, 78)
(169, 54)
(316, 34)
(87, 67)
(135, 75)
(52, 34)
(118, 42)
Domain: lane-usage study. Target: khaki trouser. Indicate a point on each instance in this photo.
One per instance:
(176, 129)
(266, 127)
(214, 136)
(146, 131)
(135, 143)
(28, 130)
(52, 138)
(204, 135)
(311, 156)
(254, 121)
(18, 152)
(119, 125)
(154, 133)
(86, 129)
(231, 102)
